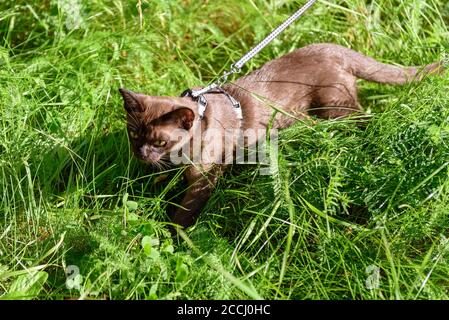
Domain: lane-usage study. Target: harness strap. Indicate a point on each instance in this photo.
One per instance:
(202, 101)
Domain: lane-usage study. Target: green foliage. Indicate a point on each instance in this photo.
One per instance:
(80, 218)
(26, 286)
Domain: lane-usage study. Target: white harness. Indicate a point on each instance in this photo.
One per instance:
(202, 101)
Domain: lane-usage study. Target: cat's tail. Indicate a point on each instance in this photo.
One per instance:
(369, 69)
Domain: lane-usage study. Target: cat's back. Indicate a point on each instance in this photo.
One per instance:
(320, 49)
(315, 55)
(310, 60)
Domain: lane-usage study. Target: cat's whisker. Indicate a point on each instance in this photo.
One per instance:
(164, 165)
(160, 166)
(134, 121)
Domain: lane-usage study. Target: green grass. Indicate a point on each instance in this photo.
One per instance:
(345, 199)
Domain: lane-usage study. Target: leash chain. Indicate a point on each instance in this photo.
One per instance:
(236, 67)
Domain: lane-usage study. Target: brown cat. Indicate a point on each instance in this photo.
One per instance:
(319, 79)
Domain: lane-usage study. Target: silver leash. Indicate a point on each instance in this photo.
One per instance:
(236, 67)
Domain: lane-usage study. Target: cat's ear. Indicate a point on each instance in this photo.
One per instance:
(131, 100)
(182, 116)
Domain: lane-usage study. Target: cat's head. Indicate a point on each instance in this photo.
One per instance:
(153, 122)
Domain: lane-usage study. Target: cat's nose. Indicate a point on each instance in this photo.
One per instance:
(144, 151)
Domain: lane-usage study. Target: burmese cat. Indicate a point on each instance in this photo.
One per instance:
(319, 79)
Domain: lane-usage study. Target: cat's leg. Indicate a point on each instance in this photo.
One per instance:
(336, 100)
(201, 181)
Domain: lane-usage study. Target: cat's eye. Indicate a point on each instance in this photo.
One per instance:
(133, 135)
(159, 143)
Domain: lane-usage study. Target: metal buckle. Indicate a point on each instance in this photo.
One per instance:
(202, 102)
(186, 93)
